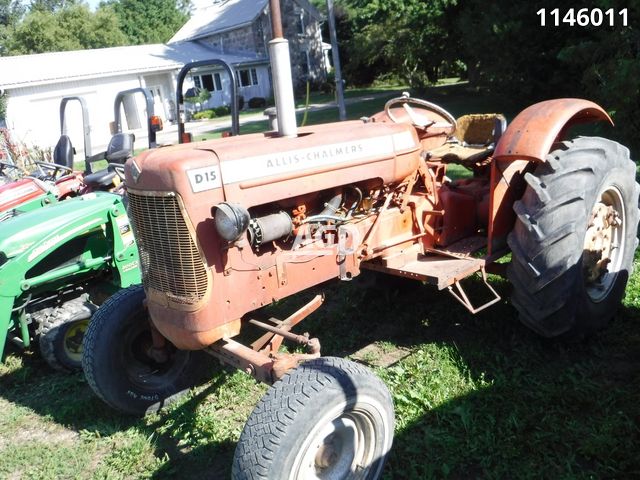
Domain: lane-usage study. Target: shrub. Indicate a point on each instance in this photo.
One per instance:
(257, 102)
(205, 114)
(327, 87)
(222, 111)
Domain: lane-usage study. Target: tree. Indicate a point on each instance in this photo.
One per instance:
(73, 27)
(202, 96)
(150, 21)
(50, 5)
(507, 51)
(403, 38)
(3, 105)
(11, 11)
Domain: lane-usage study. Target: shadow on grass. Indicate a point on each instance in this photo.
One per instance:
(476, 397)
(482, 396)
(536, 410)
(67, 400)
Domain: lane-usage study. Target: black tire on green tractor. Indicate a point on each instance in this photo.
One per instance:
(117, 362)
(574, 238)
(60, 335)
(328, 418)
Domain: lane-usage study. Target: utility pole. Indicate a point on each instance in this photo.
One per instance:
(336, 61)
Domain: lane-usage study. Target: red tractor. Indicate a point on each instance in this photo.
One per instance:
(228, 226)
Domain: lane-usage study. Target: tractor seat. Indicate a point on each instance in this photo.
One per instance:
(100, 179)
(64, 152)
(120, 147)
(474, 140)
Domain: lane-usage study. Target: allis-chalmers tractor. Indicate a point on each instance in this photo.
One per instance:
(225, 227)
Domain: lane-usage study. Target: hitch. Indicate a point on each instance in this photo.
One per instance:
(262, 360)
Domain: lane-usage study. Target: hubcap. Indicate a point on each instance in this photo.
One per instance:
(604, 245)
(338, 448)
(73, 340)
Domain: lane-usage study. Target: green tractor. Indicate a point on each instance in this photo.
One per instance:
(58, 262)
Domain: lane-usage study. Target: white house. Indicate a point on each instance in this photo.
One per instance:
(35, 85)
(241, 27)
(236, 31)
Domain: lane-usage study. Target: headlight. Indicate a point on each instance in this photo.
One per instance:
(231, 220)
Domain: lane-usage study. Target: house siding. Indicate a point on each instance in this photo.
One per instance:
(239, 41)
(305, 44)
(33, 112)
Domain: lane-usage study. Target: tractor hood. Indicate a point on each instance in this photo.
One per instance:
(21, 191)
(259, 168)
(20, 233)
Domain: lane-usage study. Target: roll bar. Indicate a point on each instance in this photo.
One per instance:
(235, 121)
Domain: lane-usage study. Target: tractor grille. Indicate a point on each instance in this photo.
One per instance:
(171, 262)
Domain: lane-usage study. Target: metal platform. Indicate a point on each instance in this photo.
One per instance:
(439, 270)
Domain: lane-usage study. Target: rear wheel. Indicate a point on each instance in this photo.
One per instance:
(118, 364)
(60, 335)
(574, 239)
(327, 419)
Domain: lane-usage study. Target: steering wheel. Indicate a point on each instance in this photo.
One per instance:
(9, 166)
(418, 119)
(56, 169)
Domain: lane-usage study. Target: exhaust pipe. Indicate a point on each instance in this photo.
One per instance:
(282, 79)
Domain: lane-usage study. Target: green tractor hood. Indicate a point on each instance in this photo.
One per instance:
(54, 224)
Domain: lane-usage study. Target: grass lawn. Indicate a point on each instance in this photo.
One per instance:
(458, 99)
(475, 396)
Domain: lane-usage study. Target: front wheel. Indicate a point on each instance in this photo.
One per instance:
(574, 239)
(60, 335)
(116, 358)
(326, 419)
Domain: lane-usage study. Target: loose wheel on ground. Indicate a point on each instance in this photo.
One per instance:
(117, 359)
(60, 335)
(329, 418)
(574, 238)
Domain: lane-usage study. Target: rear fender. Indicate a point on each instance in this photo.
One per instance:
(526, 142)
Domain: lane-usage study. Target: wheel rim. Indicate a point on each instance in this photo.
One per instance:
(141, 369)
(72, 342)
(341, 445)
(604, 244)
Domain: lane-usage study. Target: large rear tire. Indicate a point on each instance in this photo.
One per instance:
(574, 238)
(328, 418)
(117, 364)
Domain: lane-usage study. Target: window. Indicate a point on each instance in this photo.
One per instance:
(211, 82)
(304, 63)
(247, 77)
(301, 26)
(207, 82)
